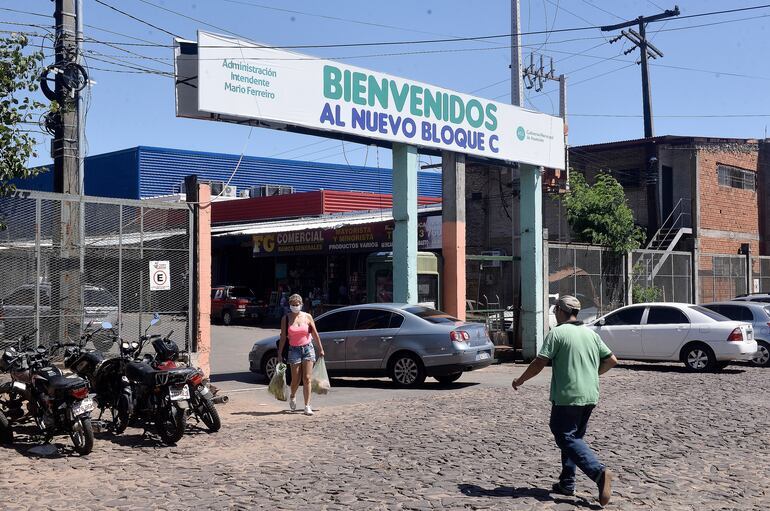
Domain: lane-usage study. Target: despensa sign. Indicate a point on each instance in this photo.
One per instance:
(245, 80)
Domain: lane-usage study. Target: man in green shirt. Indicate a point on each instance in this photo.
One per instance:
(578, 357)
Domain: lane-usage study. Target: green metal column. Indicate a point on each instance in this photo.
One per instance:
(531, 225)
(405, 162)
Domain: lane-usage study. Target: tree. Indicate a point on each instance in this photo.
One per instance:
(19, 74)
(600, 215)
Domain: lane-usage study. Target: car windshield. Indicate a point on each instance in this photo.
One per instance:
(709, 313)
(241, 292)
(98, 298)
(431, 315)
(767, 311)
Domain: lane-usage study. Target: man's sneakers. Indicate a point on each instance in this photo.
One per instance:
(293, 404)
(605, 487)
(561, 490)
(308, 410)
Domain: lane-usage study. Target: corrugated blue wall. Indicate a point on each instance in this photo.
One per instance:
(163, 170)
(107, 175)
(142, 172)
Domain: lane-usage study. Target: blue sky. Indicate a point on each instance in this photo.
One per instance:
(727, 71)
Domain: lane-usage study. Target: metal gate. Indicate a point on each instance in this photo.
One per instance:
(59, 276)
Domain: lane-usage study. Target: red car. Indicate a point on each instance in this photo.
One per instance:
(231, 303)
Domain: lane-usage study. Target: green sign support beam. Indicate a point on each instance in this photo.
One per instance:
(531, 215)
(405, 163)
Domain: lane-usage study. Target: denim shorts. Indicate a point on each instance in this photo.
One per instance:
(299, 354)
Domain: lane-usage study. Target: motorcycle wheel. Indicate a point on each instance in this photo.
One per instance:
(170, 422)
(6, 432)
(82, 435)
(207, 412)
(121, 415)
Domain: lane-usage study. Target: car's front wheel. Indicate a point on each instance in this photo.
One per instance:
(762, 358)
(406, 370)
(699, 358)
(227, 318)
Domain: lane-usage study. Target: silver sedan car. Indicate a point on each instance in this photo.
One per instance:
(405, 342)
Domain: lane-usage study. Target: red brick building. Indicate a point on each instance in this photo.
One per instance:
(705, 195)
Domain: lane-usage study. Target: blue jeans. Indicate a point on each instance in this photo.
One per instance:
(568, 425)
(298, 354)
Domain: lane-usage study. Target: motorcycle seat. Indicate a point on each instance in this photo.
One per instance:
(64, 384)
(140, 372)
(144, 374)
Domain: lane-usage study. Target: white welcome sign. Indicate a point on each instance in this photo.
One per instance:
(243, 80)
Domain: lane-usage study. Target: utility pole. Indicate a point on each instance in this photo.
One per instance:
(517, 97)
(646, 50)
(70, 78)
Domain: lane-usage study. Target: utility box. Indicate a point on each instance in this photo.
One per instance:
(379, 278)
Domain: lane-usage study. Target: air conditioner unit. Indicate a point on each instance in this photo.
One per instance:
(217, 187)
(270, 190)
(244, 194)
(230, 191)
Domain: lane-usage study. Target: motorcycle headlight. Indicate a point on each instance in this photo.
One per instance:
(125, 345)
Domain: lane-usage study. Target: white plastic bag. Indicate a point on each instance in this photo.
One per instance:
(320, 378)
(278, 387)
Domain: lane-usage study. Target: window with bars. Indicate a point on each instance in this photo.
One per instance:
(737, 178)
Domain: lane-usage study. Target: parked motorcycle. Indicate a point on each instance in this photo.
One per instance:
(104, 375)
(58, 404)
(135, 391)
(202, 405)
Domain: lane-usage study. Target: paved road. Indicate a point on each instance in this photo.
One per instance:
(677, 441)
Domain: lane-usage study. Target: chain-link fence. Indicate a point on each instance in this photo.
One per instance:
(68, 262)
(594, 275)
(722, 277)
(489, 292)
(661, 276)
(761, 274)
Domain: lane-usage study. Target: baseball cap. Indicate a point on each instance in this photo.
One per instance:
(568, 304)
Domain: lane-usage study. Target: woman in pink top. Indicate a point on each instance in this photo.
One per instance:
(298, 328)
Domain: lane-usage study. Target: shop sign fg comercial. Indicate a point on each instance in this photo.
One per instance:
(351, 238)
(244, 80)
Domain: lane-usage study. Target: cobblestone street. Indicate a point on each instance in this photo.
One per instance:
(675, 440)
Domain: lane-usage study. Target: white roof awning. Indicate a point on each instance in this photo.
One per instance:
(327, 221)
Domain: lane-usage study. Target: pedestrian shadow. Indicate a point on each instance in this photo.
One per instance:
(389, 385)
(670, 368)
(539, 494)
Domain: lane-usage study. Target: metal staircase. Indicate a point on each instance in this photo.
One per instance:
(671, 231)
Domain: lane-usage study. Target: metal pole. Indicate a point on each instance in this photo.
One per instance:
(517, 97)
(81, 163)
(141, 267)
(646, 101)
(563, 115)
(191, 281)
(120, 272)
(38, 256)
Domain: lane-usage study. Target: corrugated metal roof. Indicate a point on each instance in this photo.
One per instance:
(163, 170)
(332, 221)
(302, 204)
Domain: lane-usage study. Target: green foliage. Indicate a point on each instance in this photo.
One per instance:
(645, 294)
(600, 215)
(19, 72)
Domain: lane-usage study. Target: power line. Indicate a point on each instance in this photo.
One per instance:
(124, 13)
(435, 41)
(682, 116)
(26, 12)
